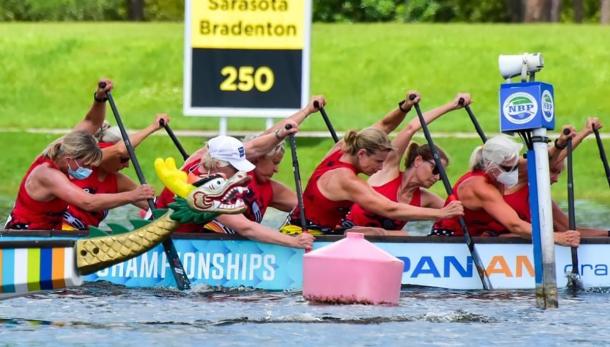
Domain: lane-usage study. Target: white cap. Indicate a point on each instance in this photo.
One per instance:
(231, 150)
(501, 149)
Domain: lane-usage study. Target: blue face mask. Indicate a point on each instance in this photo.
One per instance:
(80, 173)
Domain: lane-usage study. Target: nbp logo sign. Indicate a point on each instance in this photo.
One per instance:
(520, 108)
(525, 106)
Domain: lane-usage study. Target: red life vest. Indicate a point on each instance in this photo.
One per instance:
(30, 214)
(519, 201)
(258, 198)
(361, 217)
(81, 219)
(320, 211)
(479, 222)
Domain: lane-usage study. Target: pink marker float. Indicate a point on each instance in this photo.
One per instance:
(352, 271)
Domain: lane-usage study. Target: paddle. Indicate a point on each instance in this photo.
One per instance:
(441, 170)
(177, 143)
(474, 121)
(316, 104)
(602, 154)
(182, 282)
(574, 281)
(297, 178)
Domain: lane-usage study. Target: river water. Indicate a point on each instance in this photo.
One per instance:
(103, 314)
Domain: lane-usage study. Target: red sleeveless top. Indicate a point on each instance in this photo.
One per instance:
(81, 219)
(479, 222)
(519, 201)
(258, 198)
(360, 216)
(320, 211)
(31, 214)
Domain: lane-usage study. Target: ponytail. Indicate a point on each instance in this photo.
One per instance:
(371, 139)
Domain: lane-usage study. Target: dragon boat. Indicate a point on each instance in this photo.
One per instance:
(230, 261)
(33, 260)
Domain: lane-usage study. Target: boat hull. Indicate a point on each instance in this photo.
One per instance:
(232, 262)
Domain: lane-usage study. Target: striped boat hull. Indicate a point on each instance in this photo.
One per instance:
(27, 266)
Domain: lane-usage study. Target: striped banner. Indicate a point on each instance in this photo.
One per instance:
(24, 270)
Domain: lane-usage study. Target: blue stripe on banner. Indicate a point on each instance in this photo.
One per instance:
(46, 268)
(8, 271)
(536, 237)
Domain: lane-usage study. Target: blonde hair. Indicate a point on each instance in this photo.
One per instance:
(498, 150)
(476, 159)
(277, 150)
(210, 163)
(78, 145)
(371, 139)
(108, 133)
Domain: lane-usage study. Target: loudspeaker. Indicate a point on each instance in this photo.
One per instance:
(515, 65)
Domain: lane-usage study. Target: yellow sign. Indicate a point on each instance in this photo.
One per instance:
(248, 24)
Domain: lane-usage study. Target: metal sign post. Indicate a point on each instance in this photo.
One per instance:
(246, 59)
(528, 109)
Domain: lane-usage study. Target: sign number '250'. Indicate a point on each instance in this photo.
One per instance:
(245, 78)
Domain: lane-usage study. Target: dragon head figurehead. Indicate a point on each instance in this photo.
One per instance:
(204, 198)
(198, 203)
(215, 193)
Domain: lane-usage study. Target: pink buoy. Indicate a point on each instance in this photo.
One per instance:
(352, 270)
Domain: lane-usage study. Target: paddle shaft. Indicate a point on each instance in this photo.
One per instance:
(332, 131)
(177, 143)
(602, 154)
(297, 178)
(474, 120)
(182, 282)
(441, 170)
(571, 208)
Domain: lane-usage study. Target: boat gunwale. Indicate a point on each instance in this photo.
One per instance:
(324, 238)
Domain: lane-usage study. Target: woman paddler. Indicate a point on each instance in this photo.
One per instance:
(335, 186)
(106, 177)
(494, 167)
(407, 186)
(46, 189)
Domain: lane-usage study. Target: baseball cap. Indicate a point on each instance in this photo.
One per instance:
(501, 149)
(231, 150)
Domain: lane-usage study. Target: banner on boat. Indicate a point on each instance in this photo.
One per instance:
(240, 263)
(246, 57)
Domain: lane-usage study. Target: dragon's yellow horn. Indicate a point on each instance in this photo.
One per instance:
(174, 179)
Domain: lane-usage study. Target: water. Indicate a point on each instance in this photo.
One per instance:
(108, 315)
(102, 314)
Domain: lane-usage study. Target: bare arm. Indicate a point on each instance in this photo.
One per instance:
(489, 199)
(429, 199)
(261, 145)
(354, 189)
(95, 117)
(391, 165)
(125, 184)
(300, 115)
(58, 185)
(393, 118)
(284, 199)
(578, 137)
(120, 150)
(259, 232)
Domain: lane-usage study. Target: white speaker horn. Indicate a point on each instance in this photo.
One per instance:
(511, 65)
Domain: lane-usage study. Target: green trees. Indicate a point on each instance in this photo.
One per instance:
(324, 10)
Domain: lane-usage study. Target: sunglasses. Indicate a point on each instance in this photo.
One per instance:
(435, 170)
(124, 160)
